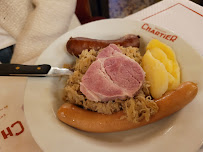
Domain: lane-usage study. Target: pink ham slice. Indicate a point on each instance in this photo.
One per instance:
(112, 76)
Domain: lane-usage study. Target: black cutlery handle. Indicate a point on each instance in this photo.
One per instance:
(20, 69)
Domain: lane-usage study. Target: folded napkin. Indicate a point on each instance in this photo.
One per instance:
(34, 24)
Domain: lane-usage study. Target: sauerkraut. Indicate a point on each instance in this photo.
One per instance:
(136, 108)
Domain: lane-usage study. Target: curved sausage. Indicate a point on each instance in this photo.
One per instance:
(76, 45)
(94, 122)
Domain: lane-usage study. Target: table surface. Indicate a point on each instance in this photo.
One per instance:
(187, 23)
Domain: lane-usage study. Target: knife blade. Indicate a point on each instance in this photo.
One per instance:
(32, 70)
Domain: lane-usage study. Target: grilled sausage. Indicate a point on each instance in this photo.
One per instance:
(76, 45)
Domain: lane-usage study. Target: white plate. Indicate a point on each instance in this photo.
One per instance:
(180, 132)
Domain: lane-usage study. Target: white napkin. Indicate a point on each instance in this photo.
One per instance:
(34, 24)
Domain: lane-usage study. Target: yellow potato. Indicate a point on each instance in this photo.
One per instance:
(171, 82)
(158, 54)
(167, 50)
(156, 74)
(176, 74)
(171, 64)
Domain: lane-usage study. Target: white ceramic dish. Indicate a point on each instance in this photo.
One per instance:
(180, 132)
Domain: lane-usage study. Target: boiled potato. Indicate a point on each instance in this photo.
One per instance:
(167, 50)
(158, 54)
(171, 82)
(158, 50)
(156, 74)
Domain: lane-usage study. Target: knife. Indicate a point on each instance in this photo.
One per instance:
(32, 70)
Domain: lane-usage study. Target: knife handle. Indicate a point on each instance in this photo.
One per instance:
(19, 69)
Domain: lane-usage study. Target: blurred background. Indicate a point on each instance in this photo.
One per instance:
(91, 10)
